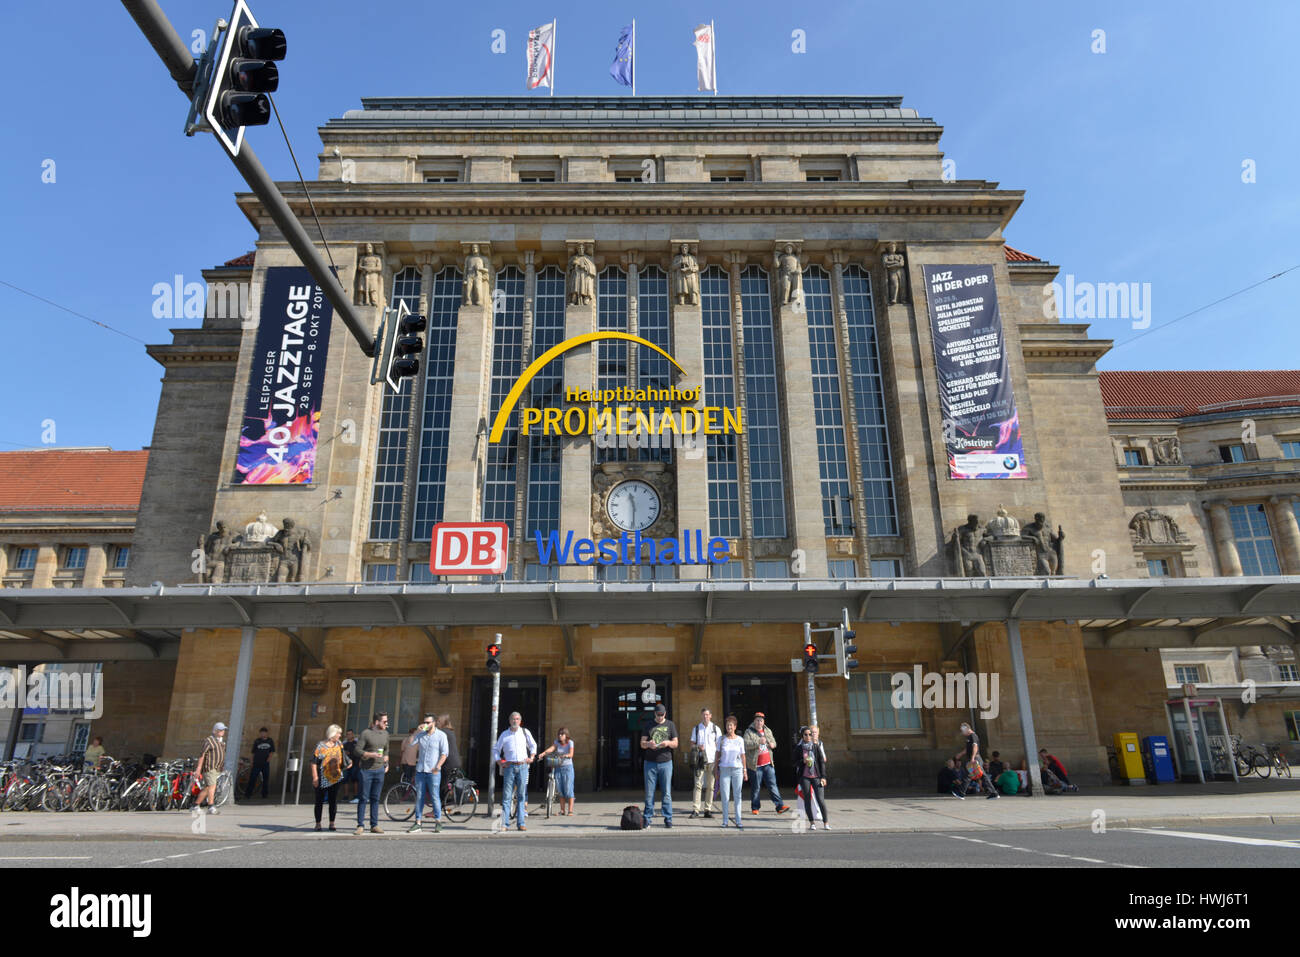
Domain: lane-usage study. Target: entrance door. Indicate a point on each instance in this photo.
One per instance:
(774, 696)
(627, 706)
(525, 695)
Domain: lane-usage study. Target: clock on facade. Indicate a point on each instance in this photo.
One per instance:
(632, 506)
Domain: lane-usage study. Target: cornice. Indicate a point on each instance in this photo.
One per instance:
(407, 135)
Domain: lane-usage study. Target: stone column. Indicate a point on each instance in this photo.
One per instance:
(527, 260)
(693, 461)
(469, 406)
(735, 261)
(96, 564)
(576, 452)
(1288, 533)
(1225, 545)
(47, 562)
(4, 563)
(806, 527)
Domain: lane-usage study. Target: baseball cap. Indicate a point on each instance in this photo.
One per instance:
(660, 709)
(218, 727)
(759, 714)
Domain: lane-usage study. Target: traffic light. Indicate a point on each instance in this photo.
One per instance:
(844, 647)
(494, 656)
(404, 349)
(244, 74)
(810, 658)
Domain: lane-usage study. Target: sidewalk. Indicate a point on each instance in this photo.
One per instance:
(851, 811)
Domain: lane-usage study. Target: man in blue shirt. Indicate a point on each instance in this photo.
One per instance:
(431, 743)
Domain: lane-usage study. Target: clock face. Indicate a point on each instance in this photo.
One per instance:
(633, 506)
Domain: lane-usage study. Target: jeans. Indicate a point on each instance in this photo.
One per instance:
(372, 782)
(731, 784)
(426, 785)
(758, 777)
(659, 774)
(564, 781)
(262, 771)
(703, 785)
(514, 776)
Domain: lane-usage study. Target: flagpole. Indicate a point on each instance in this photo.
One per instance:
(554, 34)
(714, 34)
(634, 56)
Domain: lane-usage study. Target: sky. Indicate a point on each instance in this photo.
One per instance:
(1167, 161)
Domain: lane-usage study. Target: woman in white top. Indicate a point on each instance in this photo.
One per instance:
(732, 772)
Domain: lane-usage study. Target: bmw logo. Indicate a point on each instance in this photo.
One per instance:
(1010, 462)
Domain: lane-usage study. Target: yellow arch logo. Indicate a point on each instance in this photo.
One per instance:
(536, 366)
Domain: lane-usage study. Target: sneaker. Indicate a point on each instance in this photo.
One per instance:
(522, 828)
(754, 811)
(957, 794)
(782, 809)
(740, 827)
(825, 826)
(724, 824)
(668, 823)
(708, 814)
(812, 826)
(333, 828)
(437, 827)
(694, 814)
(414, 827)
(376, 829)
(993, 795)
(213, 811)
(359, 831)
(318, 825)
(354, 800)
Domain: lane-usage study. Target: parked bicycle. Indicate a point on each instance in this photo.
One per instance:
(459, 799)
(1277, 757)
(1250, 759)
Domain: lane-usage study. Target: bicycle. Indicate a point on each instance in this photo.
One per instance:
(552, 762)
(1277, 758)
(459, 799)
(1249, 759)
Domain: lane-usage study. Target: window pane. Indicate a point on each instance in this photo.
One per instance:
(435, 423)
(734, 568)
(408, 707)
(75, 558)
(842, 568)
(543, 505)
(381, 573)
(720, 390)
(828, 411)
(1254, 539)
(766, 468)
(886, 568)
(507, 365)
(869, 399)
(771, 569)
(394, 417)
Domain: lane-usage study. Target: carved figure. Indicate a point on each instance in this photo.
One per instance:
(259, 531)
(370, 279)
(215, 547)
(686, 278)
(1153, 525)
(1004, 526)
(478, 279)
(582, 278)
(1168, 450)
(789, 277)
(1048, 548)
(968, 549)
(894, 262)
(294, 545)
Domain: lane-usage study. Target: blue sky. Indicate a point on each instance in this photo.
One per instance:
(1131, 160)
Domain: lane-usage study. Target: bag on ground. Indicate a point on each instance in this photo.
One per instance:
(633, 819)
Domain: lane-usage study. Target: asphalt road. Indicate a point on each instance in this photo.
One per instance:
(1247, 846)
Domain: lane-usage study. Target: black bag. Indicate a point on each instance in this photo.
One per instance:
(633, 819)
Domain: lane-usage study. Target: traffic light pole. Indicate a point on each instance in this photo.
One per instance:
(812, 697)
(180, 64)
(492, 765)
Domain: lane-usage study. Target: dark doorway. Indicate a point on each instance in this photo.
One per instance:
(627, 705)
(774, 696)
(525, 695)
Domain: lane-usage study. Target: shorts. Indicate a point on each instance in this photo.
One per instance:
(210, 778)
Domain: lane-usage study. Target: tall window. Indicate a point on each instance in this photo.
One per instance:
(75, 558)
(399, 697)
(766, 475)
(435, 421)
(1157, 568)
(869, 396)
(1254, 540)
(507, 365)
(1288, 673)
(720, 390)
(121, 556)
(653, 370)
(394, 418)
(871, 706)
(25, 559)
(611, 355)
(543, 505)
(828, 412)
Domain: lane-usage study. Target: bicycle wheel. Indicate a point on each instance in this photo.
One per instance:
(101, 795)
(1262, 765)
(1243, 764)
(225, 788)
(399, 802)
(550, 794)
(81, 795)
(53, 797)
(460, 806)
(1283, 766)
(15, 794)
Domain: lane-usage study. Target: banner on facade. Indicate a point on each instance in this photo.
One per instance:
(541, 57)
(981, 427)
(278, 438)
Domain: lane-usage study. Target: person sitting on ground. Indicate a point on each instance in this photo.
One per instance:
(1051, 783)
(996, 766)
(1057, 768)
(948, 777)
(1008, 782)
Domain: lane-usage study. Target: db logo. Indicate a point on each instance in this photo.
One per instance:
(468, 548)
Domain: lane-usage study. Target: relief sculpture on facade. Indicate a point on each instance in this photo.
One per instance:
(370, 279)
(582, 278)
(686, 278)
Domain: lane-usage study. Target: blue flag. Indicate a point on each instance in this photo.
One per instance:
(621, 68)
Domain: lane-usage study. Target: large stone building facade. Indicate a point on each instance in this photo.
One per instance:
(773, 248)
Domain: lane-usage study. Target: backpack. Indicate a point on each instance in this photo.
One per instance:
(633, 819)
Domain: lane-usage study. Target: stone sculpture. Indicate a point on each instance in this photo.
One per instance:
(294, 545)
(686, 278)
(894, 262)
(259, 531)
(968, 549)
(1048, 548)
(215, 548)
(582, 278)
(370, 279)
(1004, 526)
(476, 290)
(789, 277)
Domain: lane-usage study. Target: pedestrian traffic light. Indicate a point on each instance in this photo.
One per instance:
(244, 74)
(405, 344)
(810, 658)
(494, 658)
(845, 649)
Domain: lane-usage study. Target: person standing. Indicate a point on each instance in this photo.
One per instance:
(453, 746)
(353, 773)
(514, 752)
(263, 748)
(211, 761)
(658, 742)
(431, 748)
(372, 748)
(327, 767)
(563, 748)
(759, 745)
(731, 770)
(704, 757)
(966, 763)
(410, 753)
(93, 753)
(810, 769)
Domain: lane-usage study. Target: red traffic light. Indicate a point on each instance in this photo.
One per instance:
(810, 650)
(810, 658)
(494, 657)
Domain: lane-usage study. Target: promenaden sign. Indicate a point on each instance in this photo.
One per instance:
(644, 412)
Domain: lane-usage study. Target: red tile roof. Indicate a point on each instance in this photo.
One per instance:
(71, 480)
(1016, 256)
(1163, 394)
(245, 260)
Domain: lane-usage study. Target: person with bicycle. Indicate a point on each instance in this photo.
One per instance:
(431, 753)
(563, 748)
(208, 771)
(515, 750)
(327, 767)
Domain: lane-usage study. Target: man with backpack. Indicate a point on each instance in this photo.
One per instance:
(704, 757)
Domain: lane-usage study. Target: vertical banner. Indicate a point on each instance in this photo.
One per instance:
(277, 442)
(541, 57)
(981, 427)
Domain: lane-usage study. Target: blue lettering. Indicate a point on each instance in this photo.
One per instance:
(719, 552)
(668, 553)
(608, 551)
(584, 551)
(546, 549)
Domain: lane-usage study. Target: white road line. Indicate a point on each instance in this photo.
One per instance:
(44, 858)
(1224, 838)
(1030, 850)
(211, 850)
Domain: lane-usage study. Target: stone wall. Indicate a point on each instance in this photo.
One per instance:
(137, 698)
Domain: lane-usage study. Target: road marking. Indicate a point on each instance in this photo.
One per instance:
(44, 858)
(1224, 838)
(1030, 850)
(211, 850)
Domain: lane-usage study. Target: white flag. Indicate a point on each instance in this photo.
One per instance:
(706, 69)
(541, 56)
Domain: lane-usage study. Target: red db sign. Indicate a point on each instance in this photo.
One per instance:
(468, 548)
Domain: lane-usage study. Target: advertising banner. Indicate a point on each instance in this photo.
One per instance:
(981, 428)
(277, 442)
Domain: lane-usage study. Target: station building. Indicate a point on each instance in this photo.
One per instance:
(784, 257)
